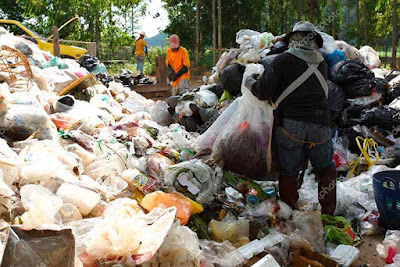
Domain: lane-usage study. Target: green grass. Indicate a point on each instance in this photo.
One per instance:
(389, 53)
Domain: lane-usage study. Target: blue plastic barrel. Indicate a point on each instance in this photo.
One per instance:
(387, 198)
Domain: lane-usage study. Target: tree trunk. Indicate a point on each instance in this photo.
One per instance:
(348, 14)
(97, 30)
(334, 19)
(312, 10)
(219, 26)
(358, 22)
(197, 30)
(299, 6)
(282, 22)
(365, 22)
(394, 37)
(214, 34)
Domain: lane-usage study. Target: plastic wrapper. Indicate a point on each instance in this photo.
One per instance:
(342, 155)
(69, 213)
(197, 177)
(352, 202)
(395, 104)
(250, 56)
(244, 142)
(157, 165)
(5, 189)
(309, 226)
(206, 98)
(180, 248)
(25, 117)
(252, 39)
(86, 156)
(121, 237)
(183, 205)
(8, 163)
(42, 207)
(371, 57)
(55, 62)
(39, 248)
(220, 254)
(227, 59)
(39, 165)
(237, 232)
(392, 240)
(159, 113)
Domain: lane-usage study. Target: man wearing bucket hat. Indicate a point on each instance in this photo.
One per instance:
(178, 65)
(140, 52)
(295, 83)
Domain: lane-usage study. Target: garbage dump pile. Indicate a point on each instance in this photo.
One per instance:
(94, 174)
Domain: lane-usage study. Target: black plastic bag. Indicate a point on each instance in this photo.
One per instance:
(231, 78)
(278, 48)
(336, 101)
(88, 62)
(354, 77)
(126, 78)
(382, 116)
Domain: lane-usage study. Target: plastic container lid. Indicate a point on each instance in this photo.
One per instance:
(345, 255)
(267, 261)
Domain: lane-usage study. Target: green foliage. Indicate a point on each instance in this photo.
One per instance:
(116, 19)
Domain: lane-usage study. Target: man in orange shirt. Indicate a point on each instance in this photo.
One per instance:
(178, 65)
(140, 52)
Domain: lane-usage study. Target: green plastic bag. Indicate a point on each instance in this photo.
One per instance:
(55, 61)
(225, 96)
(338, 230)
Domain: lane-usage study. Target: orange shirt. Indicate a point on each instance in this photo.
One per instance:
(139, 47)
(177, 60)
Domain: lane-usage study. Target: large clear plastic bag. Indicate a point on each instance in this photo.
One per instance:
(236, 232)
(160, 114)
(120, 236)
(309, 226)
(243, 143)
(371, 57)
(180, 248)
(42, 207)
(329, 43)
(252, 39)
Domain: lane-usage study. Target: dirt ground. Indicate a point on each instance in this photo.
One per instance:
(368, 255)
